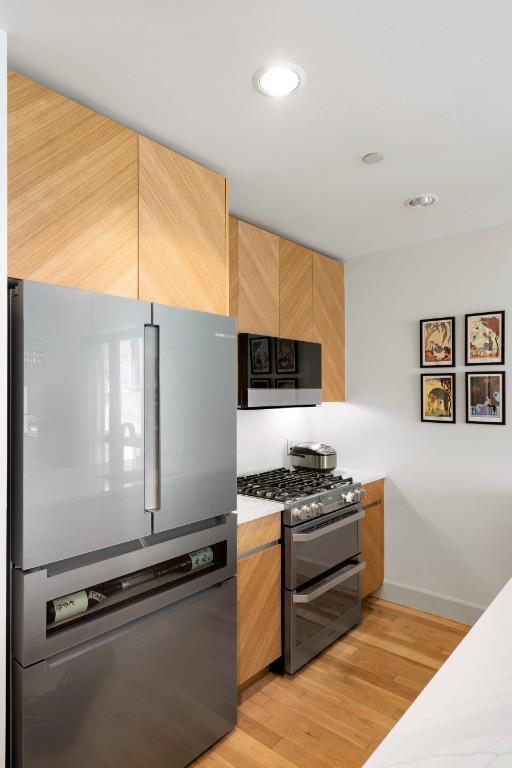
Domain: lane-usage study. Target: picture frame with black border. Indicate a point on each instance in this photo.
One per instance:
(484, 338)
(485, 397)
(438, 398)
(437, 342)
(260, 383)
(286, 384)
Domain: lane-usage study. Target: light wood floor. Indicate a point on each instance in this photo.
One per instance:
(336, 711)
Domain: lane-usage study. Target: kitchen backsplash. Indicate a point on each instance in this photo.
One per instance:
(262, 437)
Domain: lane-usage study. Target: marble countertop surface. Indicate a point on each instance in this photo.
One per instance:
(463, 718)
(251, 508)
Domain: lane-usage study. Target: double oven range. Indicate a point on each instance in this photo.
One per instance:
(321, 536)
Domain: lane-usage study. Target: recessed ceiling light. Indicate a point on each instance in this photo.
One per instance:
(421, 201)
(373, 157)
(279, 79)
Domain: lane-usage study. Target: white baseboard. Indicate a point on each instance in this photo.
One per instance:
(431, 602)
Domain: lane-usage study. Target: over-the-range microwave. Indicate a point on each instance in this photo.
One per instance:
(278, 373)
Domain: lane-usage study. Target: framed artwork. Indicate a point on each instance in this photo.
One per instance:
(438, 398)
(260, 355)
(485, 338)
(485, 397)
(437, 342)
(260, 383)
(286, 384)
(285, 356)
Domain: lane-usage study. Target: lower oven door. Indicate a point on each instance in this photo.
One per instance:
(316, 616)
(317, 546)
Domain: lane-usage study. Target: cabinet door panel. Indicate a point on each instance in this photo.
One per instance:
(72, 193)
(259, 611)
(182, 231)
(372, 538)
(254, 279)
(329, 324)
(295, 291)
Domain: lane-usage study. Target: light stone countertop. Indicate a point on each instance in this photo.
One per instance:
(251, 508)
(463, 718)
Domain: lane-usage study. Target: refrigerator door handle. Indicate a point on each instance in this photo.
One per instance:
(151, 419)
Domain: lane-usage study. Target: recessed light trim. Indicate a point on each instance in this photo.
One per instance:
(373, 157)
(280, 79)
(421, 201)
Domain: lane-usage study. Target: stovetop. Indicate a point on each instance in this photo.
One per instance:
(304, 493)
(289, 484)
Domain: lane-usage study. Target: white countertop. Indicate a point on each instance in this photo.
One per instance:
(463, 718)
(251, 508)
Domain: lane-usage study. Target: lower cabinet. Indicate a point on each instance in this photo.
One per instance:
(259, 596)
(372, 538)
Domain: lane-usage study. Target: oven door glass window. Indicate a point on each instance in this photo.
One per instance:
(325, 609)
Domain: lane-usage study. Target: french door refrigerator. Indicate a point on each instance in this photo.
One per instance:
(123, 545)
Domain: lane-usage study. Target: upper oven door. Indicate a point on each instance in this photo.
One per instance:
(318, 545)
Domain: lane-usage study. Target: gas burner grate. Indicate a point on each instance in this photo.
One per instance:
(284, 484)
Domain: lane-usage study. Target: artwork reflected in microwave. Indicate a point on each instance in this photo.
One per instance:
(260, 383)
(286, 358)
(260, 355)
(286, 384)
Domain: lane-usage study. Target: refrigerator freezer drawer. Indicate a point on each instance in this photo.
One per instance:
(158, 692)
(32, 641)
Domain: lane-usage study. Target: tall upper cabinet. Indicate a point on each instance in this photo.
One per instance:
(253, 278)
(94, 205)
(72, 193)
(183, 256)
(329, 324)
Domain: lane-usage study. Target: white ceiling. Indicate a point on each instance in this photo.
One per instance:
(426, 82)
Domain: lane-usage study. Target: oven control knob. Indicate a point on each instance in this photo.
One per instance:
(297, 514)
(349, 497)
(315, 508)
(305, 511)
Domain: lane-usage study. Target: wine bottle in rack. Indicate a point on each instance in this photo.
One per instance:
(78, 603)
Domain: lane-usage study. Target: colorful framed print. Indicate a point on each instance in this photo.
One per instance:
(438, 398)
(286, 384)
(260, 383)
(485, 397)
(260, 355)
(485, 338)
(285, 356)
(437, 342)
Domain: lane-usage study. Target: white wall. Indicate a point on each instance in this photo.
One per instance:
(3, 372)
(448, 526)
(262, 437)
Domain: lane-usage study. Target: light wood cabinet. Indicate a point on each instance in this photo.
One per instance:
(259, 596)
(372, 538)
(183, 248)
(72, 193)
(329, 324)
(253, 278)
(295, 291)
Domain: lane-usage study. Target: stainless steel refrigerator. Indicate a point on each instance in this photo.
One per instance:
(123, 548)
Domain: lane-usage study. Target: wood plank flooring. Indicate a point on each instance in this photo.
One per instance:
(336, 711)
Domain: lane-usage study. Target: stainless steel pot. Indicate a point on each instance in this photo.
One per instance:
(317, 456)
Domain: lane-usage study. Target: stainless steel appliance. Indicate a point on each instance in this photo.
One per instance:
(321, 537)
(278, 373)
(123, 548)
(313, 456)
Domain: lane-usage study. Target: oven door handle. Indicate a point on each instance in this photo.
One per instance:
(298, 537)
(347, 572)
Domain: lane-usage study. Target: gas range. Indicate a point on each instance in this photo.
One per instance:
(305, 494)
